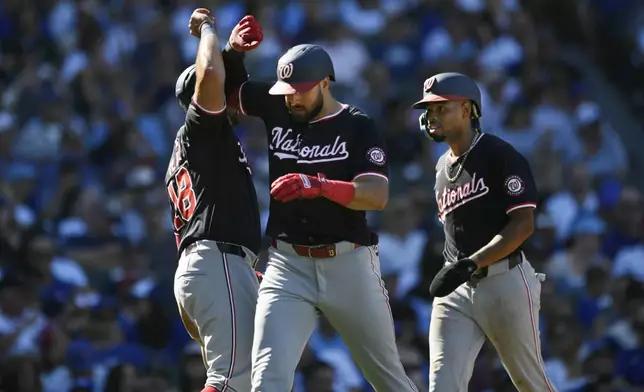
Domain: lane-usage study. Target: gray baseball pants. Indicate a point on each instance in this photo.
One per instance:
(217, 293)
(349, 291)
(502, 307)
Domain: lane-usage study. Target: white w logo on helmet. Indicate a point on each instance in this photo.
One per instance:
(285, 71)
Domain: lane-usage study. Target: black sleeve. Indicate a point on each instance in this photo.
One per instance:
(199, 120)
(368, 152)
(254, 99)
(518, 189)
(235, 68)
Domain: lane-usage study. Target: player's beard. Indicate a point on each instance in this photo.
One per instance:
(308, 115)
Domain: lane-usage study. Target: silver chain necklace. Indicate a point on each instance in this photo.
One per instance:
(462, 164)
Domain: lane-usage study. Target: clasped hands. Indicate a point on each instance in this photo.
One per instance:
(245, 36)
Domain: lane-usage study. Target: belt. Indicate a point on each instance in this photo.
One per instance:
(231, 249)
(315, 251)
(514, 259)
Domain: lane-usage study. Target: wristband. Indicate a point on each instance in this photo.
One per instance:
(341, 192)
(207, 27)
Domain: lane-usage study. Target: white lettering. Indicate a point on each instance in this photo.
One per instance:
(331, 152)
(285, 146)
(450, 199)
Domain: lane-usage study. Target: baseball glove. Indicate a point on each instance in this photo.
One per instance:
(451, 276)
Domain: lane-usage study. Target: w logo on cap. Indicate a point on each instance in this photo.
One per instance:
(429, 83)
(285, 71)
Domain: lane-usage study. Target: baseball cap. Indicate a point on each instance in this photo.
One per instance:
(449, 86)
(301, 68)
(185, 86)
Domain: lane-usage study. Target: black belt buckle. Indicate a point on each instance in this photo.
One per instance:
(231, 249)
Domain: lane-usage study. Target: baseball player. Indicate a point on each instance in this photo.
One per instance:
(216, 216)
(328, 165)
(486, 198)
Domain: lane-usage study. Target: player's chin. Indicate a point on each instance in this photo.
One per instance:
(300, 114)
(437, 131)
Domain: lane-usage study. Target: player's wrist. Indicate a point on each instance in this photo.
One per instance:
(206, 27)
(476, 259)
(230, 46)
(341, 192)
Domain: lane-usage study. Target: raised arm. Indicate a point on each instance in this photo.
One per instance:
(209, 67)
(246, 36)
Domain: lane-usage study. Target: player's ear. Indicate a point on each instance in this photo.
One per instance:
(325, 83)
(467, 110)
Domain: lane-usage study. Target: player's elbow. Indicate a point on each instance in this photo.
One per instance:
(381, 200)
(523, 221)
(379, 197)
(379, 194)
(528, 228)
(371, 193)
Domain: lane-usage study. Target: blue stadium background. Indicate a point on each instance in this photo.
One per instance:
(87, 118)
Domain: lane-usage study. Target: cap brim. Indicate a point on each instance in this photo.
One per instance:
(437, 98)
(283, 88)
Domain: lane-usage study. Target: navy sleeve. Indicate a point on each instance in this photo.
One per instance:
(515, 180)
(199, 119)
(368, 152)
(254, 99)
(236, 73)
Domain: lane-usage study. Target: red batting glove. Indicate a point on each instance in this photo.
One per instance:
(260, 276)
(247, 35)
(296, 186)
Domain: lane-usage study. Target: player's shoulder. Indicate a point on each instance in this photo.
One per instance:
(198, 118)
(440, 163)
(493, 143)
(257, 91)
(358, 120)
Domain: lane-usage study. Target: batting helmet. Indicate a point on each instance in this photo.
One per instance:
(450, 86)
(185, 87)
(301, 68)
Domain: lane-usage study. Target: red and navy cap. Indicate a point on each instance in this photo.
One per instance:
(301, 68)
(449, 86)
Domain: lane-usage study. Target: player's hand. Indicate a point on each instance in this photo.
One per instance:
(247, 35)
(260, 276)
(450, 277)
(198, 18)
(297, 186)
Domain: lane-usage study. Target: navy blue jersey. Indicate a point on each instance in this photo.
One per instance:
(343, 146)
(496, 180)
(209, 183)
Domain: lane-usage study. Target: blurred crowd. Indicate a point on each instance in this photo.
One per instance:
(87, 119)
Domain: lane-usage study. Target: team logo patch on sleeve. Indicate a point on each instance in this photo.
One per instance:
(376, 156)
(514, 186)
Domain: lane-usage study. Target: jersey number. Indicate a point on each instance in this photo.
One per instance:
(183, 199)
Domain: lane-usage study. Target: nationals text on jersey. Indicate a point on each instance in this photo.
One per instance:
(285, 147)
(452, 198)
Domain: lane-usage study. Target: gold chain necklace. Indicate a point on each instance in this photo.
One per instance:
(462, 164)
